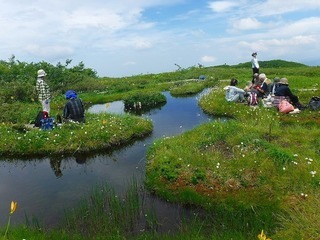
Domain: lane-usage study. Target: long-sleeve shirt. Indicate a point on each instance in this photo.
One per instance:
(42, 89)
(255, 63)
(232, 92)
(284, 90)
(74, 110)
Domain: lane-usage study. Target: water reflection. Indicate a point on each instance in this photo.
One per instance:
(46, 187)
(56, 167)
(114, 107)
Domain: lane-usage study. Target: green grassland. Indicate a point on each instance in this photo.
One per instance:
(258, 170)
(260, 163)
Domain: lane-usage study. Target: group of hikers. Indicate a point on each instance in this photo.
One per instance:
(74, 107)
(262, 88)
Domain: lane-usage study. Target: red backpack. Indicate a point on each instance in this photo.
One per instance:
(253, 99)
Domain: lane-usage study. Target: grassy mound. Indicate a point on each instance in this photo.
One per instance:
(259, 162)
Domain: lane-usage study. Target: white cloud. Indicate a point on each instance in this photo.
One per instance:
(104, 19)
(142, 43)
(51, 52)
(208, 59)
(276, 7)
(246, 24)
(222, 6)
(124, 37)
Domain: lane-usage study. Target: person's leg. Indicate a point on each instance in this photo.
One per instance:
(241, 97)
(235, 98)
(46, 105)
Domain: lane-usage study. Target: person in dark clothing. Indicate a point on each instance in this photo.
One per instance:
(74, 108)
(284, 90)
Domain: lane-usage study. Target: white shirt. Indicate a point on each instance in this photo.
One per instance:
(254, 62)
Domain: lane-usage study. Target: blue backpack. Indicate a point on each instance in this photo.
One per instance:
(47, 124)
(43, 121)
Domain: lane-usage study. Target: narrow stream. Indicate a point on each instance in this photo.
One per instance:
(45, 187)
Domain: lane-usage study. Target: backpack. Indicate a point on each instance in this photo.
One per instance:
(285, 106)
(47, 123)
(314, 103)
(252, 99)
(41, 115)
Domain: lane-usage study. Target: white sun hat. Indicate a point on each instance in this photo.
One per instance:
(41, 73)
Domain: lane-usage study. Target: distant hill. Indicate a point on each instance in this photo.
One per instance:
(267, 64)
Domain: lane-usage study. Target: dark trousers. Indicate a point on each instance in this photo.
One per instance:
(254, 70)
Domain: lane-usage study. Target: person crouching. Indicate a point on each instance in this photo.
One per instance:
(74, 108)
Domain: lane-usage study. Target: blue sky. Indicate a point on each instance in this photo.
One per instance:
(127, 37)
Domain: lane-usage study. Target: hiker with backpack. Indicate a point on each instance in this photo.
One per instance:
(74, 108)
(233, 93)
(43, 91)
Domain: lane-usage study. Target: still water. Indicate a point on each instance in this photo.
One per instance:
(45, 187)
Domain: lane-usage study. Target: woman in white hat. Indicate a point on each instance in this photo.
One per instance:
(43, 91)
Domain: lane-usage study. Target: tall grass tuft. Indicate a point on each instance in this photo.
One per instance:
(107, 213)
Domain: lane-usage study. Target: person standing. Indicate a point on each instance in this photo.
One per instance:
(43, 91)
(254, 65)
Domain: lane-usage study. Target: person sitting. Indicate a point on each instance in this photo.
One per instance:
(260, 87)
(255, 78)
(274, 85)
(74, 108)
(233, 93)
(284, 91)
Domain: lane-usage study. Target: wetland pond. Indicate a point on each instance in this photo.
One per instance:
(45, 188)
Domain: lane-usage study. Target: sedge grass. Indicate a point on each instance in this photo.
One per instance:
(187, 88)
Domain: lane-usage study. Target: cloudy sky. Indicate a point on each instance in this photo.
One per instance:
(128, 37)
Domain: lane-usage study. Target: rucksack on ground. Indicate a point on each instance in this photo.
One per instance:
(253, 99)
(47, 123)
(43, 120)
(314, 103)
(41, 115)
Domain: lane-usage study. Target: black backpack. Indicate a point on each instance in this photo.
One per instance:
(314, 103)
(41, 115)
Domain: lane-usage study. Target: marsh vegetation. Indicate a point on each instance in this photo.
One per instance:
(259, 170)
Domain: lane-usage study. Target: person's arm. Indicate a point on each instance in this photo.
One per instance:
(239, 90)
(255, 63)
(47, 90)
(262, 88)
(293, 97)
(65, 111)
(37, 86)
